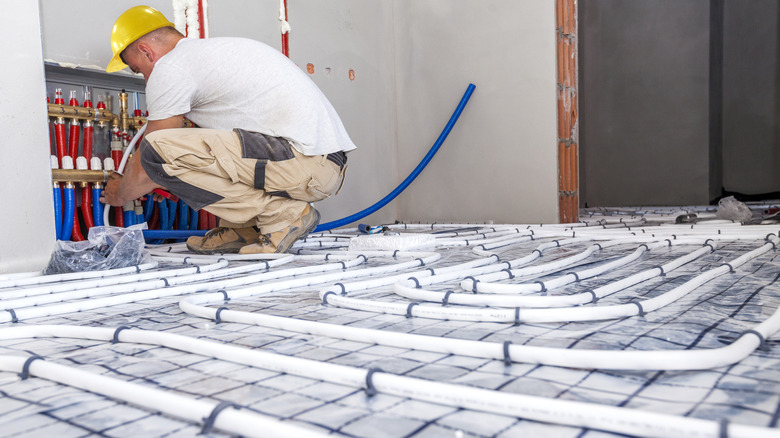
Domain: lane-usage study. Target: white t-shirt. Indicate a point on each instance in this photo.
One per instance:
(227, 83)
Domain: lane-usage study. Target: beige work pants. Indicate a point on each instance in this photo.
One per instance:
(244, 178)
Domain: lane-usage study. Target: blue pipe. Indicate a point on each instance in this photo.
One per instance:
(67, 214)
(129, 216)
(183, 215)
(171, 214)
(148, 207)
(193, 219)
(58, 211)
(382, 202)
(139, 218)
(163, 207)
(97, 207)
(155, 235)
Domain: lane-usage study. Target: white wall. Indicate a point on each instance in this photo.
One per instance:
(412, 62)
(77, 32)
(357, 35)
(28, 233)
(500, 161)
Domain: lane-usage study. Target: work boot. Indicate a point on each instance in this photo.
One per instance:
(283, 239)
(223, 240)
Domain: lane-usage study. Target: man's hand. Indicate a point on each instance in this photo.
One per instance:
(110, 194)
(120, 189)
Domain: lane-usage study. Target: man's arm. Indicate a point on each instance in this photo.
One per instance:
(134, 183)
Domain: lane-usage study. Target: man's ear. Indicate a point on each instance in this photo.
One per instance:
(147, 51)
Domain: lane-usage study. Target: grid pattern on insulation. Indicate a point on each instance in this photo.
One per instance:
(709, 317)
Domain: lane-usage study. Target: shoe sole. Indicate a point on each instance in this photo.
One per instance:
(296, 233)
(214, 251)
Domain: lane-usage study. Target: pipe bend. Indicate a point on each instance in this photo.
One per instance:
(412, 176)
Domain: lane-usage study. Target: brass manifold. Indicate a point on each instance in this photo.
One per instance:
(79, 176)
(92, 114)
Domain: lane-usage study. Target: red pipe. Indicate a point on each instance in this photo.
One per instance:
(75, 130)
(73, 141)
(117, 157)
(286, 35)
(119, 219)
(203, 220)
(86, 191)
(88, 133)
(201, 21)
(76, 233)
(86, 207)
(59, 139)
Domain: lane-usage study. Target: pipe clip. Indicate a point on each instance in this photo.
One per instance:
(208, 422)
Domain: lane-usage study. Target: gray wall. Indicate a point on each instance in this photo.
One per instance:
(751, 96)
(644, 107)
(679, 100)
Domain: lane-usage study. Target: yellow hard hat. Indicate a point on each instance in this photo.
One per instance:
(131, 25)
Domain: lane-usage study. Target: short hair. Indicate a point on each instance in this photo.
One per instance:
(156, 36)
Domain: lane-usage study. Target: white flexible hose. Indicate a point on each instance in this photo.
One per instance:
(110, 281)
(408, 290)
(591, 313)
(258, 283)
(54, 278)
(593, 416)
(128, 151)
(231, 419)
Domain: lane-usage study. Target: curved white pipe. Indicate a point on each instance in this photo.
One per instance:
(579, 414)
(546, 315)
(408, 290)
(262, 285)
(125, 156)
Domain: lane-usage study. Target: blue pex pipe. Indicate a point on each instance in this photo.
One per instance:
(97, 207)
(163, 207)
(129, 216)
(67, 214)
(172, 234)
(183, 215)
(171, 214)
(417, 170)
(58, 211)
(193, 219)
(148, 207)
(181, 234)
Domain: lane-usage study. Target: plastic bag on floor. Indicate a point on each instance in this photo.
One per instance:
(731, 209)
(106, 248)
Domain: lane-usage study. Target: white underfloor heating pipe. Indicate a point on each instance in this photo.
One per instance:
(578, 414)
(518, 315)
(118, 279)
(230, 419)
(54, 278)
(21, 298)
(666, 360)
(262, 284)
(408, 290)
